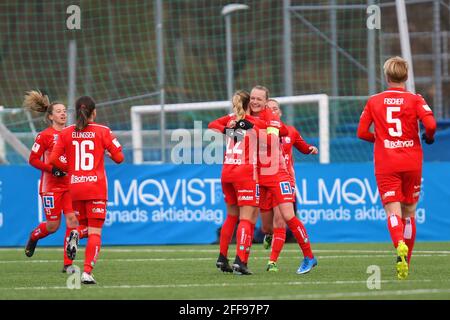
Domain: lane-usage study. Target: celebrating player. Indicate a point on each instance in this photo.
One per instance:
(239, 183)
(54, 183)
(84, 145)
(398, 154)
(274, 178)
(273, 223)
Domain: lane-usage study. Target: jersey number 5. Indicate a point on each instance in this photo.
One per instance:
(84, 159)
(397, 132)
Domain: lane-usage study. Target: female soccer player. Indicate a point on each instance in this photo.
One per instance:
(85, 145)
(54, 183)
(271, 215)
(273, 177)
(398, 154)
(239, 183)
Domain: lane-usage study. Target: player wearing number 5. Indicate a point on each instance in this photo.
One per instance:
(85, 144)
(398, 154)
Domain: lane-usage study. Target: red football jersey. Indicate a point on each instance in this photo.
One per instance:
(395, 114)
(293, 139)
(85, 152)
(240, 157)
(40, 159)
(271, 165)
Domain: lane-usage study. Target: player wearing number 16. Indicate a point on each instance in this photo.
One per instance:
(398, 154)
(84, 145)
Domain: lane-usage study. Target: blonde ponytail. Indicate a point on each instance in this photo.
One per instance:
(36, 101)
(240, 101)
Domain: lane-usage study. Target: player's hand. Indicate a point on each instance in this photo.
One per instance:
(313, 150)
(239, 135)
(231, 123)
(58, 173)
(244, 124)
(426, 139)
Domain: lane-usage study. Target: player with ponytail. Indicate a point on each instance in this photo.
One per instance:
(54, 183)
(85, 145)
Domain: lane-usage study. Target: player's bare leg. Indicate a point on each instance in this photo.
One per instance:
(226, 234)
(267, 227)
(244, 237)
(300, 234)
(74, 236)
(409, 226)
(279, 238)
(42, 230)
(395, 225)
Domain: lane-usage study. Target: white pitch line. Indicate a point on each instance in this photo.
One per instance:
(350, 294)
(213, 258)
(225, 284)
(111, 249)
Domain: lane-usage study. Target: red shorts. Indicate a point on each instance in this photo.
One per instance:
(244, 193)
(399, 187)
(90, 212)
(272, 194)
(55, 203)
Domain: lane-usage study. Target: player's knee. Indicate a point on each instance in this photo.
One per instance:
(52, 227)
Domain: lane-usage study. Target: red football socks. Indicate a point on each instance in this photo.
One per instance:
(243, 239)
(299, 232)
(40, 231)
(409, 234)
(278, 240)
(395, 225)
(226, 233)
(92, 250)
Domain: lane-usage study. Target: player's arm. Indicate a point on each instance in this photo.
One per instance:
(37, 150)
(114, 148)
(57, 155)
(425, 114)
(220, 124)
(301, 145)
(365, 122)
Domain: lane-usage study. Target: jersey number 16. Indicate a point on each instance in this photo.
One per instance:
(83, 158)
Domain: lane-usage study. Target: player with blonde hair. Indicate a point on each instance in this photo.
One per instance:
(398, 154)
(54, 183)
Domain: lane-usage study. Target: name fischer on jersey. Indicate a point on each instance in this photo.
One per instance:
(398, 144)
(83, 135)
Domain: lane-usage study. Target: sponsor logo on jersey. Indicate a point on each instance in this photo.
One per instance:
(398, 144)
(82, 179)
(35, 147)
(245, 198)
(98, 202)
(389, 194)
(83, 135)
(48, 202)
(55, 137)
(285, 187)
(232, 161)
(63, 159)
(287, 139)
(98, 210)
